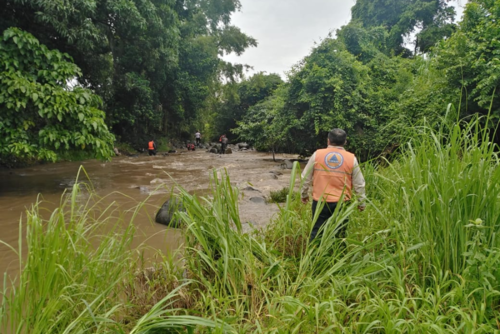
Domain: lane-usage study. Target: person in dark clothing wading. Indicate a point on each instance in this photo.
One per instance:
(197, 136)
(223, 140)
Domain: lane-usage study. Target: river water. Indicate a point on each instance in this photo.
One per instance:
(128, 181)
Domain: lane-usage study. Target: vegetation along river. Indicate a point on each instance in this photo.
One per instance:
(131, 180)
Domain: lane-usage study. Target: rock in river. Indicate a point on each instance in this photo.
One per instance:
(166, 213)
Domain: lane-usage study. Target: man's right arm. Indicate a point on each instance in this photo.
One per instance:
(307, 175)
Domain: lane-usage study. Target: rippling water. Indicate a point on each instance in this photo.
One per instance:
(132, 180)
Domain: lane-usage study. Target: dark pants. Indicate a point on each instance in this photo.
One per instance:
(326, 212)
(223, 148)
(152, 152)
(198, 140)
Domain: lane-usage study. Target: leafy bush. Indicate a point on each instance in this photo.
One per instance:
(40, 115)
(280, 196)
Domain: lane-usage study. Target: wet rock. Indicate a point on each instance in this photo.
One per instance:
(259, 200)
(158, 180)
(243, 145)
(229, 150)
(165, 215)
(250, 188)
(275, 172)
(213, 150)
(287, 164)
(274, 176)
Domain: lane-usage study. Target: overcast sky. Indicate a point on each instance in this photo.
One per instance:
(286, 30)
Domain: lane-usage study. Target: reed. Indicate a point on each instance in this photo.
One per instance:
(72, 276)
(423, 258)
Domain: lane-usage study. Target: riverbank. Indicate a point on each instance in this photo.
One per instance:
(129, 181)
(422, 257)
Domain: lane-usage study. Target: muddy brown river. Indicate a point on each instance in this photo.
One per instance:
(131, 180)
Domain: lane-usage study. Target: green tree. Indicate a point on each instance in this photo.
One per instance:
(434, 19)
(469, 60)
(266, 125)
(40, 115)
(151, 61)
(238, 97)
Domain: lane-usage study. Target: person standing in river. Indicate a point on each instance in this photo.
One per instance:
(197, 136)
(223, 141)
(152, 147)
(334, 174)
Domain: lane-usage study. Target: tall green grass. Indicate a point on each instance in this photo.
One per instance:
(443, 191)
(423, 258)
(74, 277)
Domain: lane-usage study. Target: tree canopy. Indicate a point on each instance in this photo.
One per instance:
(402, 17)
(40, 114)
(153, 67)
(152, 62)
(367, 82)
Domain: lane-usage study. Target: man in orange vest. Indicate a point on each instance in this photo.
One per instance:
(334, 174)
(152, 147)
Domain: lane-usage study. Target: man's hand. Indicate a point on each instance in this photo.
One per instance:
(305, 200)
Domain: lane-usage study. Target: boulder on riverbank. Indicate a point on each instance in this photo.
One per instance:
(165, 215)
(287, 164)
(243, 146)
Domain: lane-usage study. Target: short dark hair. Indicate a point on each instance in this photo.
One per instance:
(337, 137)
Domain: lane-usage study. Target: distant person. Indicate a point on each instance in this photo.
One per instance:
(223, 141)
(333, 172)
(190, 147)
(197, 136)
(152, 147)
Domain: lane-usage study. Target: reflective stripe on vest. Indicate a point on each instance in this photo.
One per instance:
(151, 145)
(332, 175)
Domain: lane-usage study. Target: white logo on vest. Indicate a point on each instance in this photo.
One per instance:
(334, 160)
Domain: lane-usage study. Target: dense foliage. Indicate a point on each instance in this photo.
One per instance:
(360, 81)
(235, 99)
(40, 115)
(155, 66)
(153, 63)
(365, 81)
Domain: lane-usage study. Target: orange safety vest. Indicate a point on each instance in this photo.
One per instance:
(332, 175)
(151, 145)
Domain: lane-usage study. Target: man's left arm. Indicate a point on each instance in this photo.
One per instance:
(358, 183)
